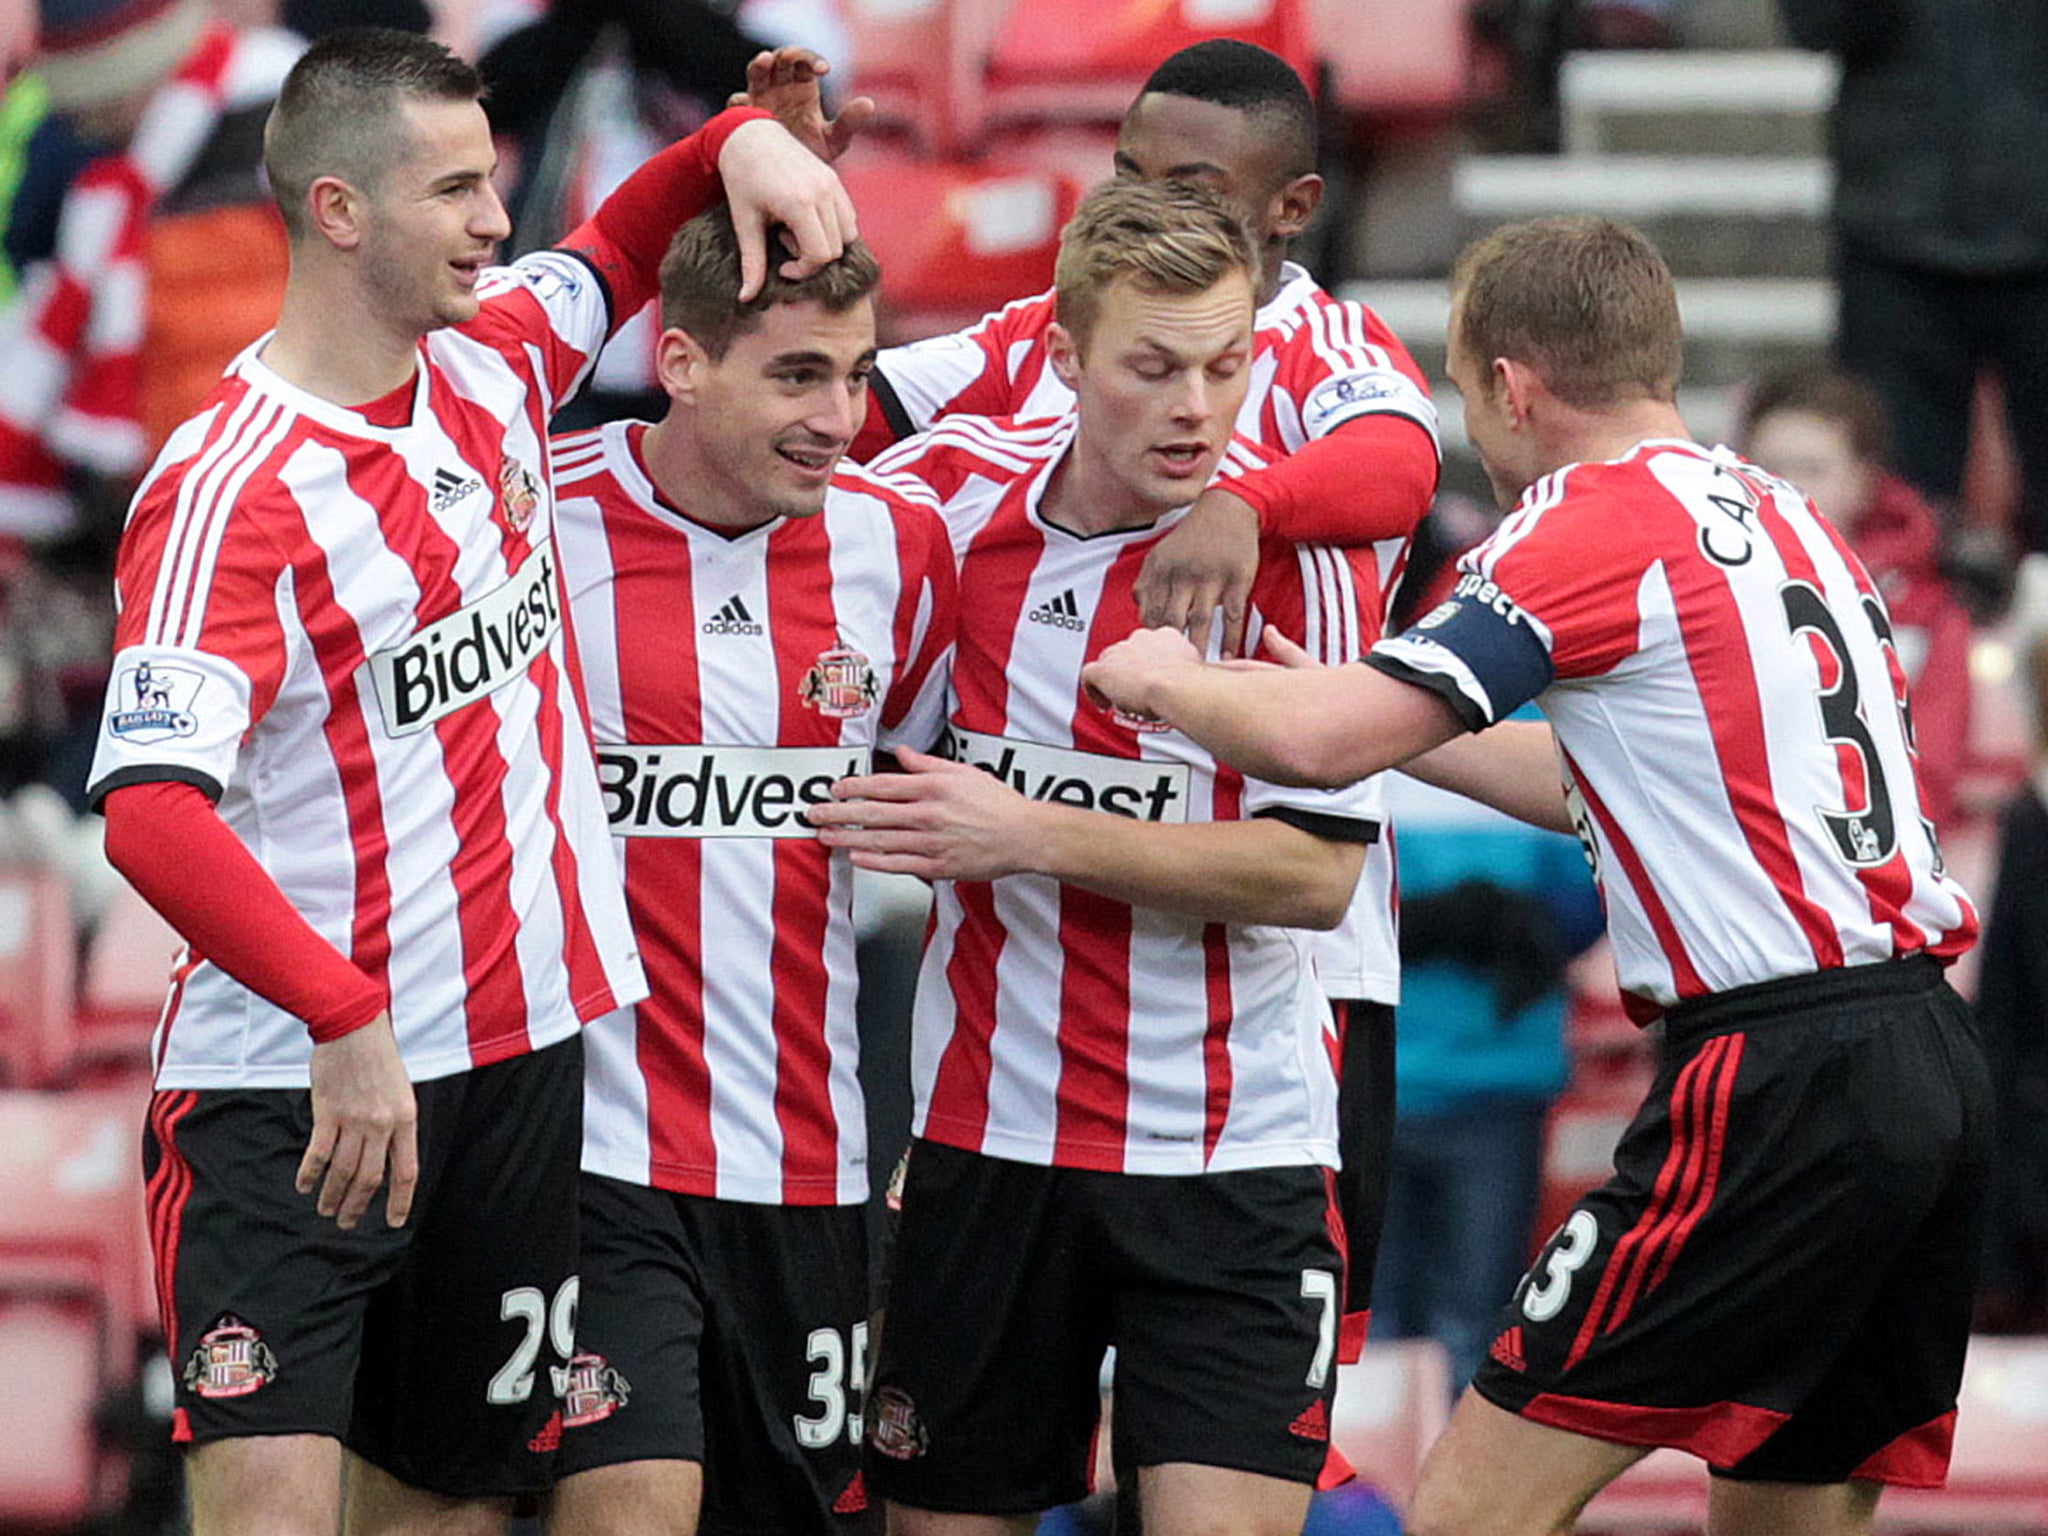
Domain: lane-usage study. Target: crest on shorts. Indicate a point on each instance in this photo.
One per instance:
(518, 496)
(230, 1360)
(841, 684)
(897, 1431)
(592, 1390)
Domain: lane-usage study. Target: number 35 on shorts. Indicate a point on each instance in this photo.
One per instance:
(839, 1365)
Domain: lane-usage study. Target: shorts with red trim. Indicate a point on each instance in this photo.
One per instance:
(1778, 1277)
(433, 1351)
(1218, 1291)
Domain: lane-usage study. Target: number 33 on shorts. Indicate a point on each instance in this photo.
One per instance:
(1548, 1284)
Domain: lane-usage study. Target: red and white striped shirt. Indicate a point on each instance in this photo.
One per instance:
(1720, 673)
(1054, 1025)
(731, 680)
(1317, 362)
(351, 635)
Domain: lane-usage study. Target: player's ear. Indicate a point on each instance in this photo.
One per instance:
(1294, 205)
(1064, 353)
(1518, 384)
(679, 363)
(335, 209)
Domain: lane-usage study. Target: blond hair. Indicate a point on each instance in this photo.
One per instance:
(1166, 237)
(1586, 302)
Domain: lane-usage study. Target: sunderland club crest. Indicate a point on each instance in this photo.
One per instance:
(230, 1360)
(841, 684)
(592, 1390)
(518, 496)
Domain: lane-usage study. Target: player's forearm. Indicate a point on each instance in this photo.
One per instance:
(1257, 871)
(629, 233)
(1511, 767)
(1370, 479)
(1312, 727)
(171, 845)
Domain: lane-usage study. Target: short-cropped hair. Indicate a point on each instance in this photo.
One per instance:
(1166, 237)
(1249, 79)
(1586, 302)
(700, 282)
(338, 111)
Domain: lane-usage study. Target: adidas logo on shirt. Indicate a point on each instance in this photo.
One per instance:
(732, 619)
(450, 488)
(1061, 612)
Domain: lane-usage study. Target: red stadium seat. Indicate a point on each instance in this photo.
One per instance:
(922, 62)
(1401, 59)
(1390, 1407)
(127, 972)
(956, 240)
(72, 1213)
(38, 976)
(54, 1474)
(1083, 60)
(75, 1293)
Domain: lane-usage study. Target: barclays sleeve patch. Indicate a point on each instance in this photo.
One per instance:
(155, 701)
(1364, 393)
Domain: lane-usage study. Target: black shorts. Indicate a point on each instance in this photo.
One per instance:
(1365, 1140)
(1778, 1277)
(1219, 1293)
(432, 1350)
(730, 1334)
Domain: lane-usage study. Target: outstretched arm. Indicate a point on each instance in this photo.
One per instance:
(1292, 724)
(1511, 767)
(944, 820)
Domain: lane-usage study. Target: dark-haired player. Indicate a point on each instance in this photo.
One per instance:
(342, 753)
(755, 620)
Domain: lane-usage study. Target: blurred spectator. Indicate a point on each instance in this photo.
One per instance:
(1941, 225)
(169, 256)
(1825, 432)
(2012, 1010)
(1491, 913)
(41, 153)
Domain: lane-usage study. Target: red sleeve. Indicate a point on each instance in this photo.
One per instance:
(629, 234)
(1371, 478)
(176, 851)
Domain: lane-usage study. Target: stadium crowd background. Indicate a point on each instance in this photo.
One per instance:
(1698, 121)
